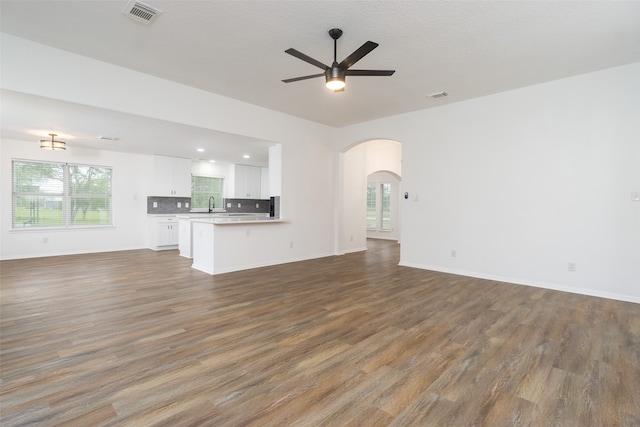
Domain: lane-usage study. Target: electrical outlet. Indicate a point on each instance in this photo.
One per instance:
(155, 204)
(291, 245)
(228, 205)
(186, 205)
(45, 240)
(179, 204)
(454, 253)
(239, 205)
(571, 267)
(257, 205)
(248, 232)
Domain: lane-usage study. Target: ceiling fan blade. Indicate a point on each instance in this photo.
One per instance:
(295, 79)
(358, 54)
(306, 58)
(370, 72)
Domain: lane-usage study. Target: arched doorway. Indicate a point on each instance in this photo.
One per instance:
(357, 162)
(383, 205)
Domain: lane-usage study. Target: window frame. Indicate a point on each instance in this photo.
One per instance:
(218, 201)
(382, 201)
(372, 205)
(66, 196)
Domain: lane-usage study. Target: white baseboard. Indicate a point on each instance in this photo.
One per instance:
(536, 284)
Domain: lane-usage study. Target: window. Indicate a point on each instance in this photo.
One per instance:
(385, 206)
(372, 218)
(203, 187)
(379, 206)
(60, 195)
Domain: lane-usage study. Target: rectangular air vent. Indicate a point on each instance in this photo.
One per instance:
(141, 12)
(438, 95)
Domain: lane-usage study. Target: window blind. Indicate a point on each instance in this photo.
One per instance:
(60, 195)
(203, 187)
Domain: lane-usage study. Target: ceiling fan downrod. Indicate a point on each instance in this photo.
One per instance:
(335, 34)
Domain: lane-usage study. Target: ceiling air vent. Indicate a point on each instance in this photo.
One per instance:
(438, 95)
(141, 12)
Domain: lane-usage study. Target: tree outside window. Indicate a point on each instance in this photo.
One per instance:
(203, 187)
(60, 195)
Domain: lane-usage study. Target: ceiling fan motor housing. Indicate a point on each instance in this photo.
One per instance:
(335, 72)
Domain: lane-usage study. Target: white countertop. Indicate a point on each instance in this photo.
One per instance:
(205, 215)
(222, 218)
(238, 220)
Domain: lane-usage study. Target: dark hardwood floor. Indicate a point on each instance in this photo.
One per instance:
(138, 338)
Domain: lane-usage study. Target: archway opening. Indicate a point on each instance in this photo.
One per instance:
(373, 158)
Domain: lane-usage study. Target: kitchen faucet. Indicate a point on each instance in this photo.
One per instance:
(211, 204)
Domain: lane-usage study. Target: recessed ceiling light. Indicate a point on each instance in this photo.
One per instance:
(200, 150)
(212, 161)
(246, 156)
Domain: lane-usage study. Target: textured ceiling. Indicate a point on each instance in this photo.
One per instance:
(236, 48)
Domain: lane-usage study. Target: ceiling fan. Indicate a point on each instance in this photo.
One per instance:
(335, 75)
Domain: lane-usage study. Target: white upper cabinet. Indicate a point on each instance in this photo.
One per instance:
(247, 182)
(173, 176)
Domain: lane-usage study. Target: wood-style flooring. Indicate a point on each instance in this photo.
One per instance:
(138, 338)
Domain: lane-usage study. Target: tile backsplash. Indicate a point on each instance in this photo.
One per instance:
(168, 205)
(246, 205)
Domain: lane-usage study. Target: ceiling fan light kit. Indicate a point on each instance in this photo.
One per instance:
(335, 78)
(335, 75)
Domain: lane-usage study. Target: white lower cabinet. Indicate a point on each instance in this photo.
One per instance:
(163, 232)
(167, 234)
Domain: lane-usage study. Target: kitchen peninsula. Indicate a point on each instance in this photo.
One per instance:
(225, 243)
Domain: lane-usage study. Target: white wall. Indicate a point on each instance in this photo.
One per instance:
(307, 149)
(264, 183)
(383, 155)
(524, 182)
(353, 234)
(275, 170)
(130, 190)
